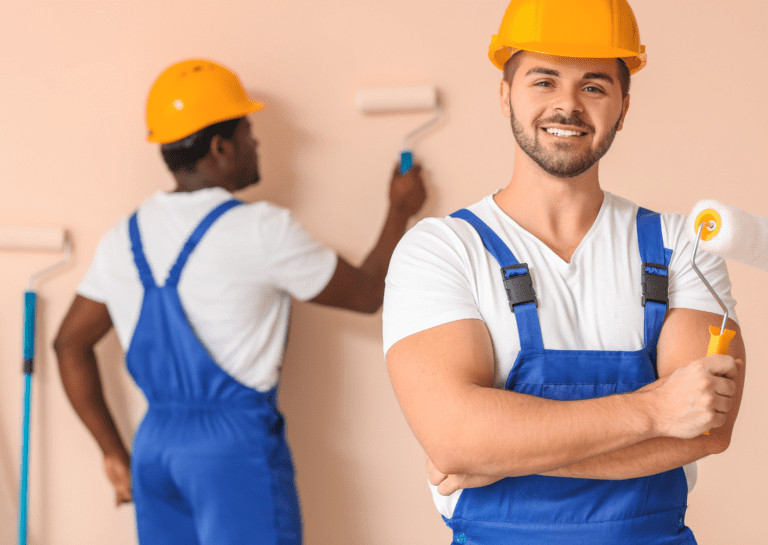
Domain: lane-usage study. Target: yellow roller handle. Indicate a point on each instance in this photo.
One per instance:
(718, 344)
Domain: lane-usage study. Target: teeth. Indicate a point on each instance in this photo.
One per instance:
(560, 132)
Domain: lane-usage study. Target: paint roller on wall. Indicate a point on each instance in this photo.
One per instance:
(20, 238)
(401, 100)
(731, 233)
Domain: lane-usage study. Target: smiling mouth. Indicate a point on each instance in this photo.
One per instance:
(564, 133)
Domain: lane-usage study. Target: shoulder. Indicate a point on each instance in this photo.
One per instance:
(117, 239)
(440, 239)
(620, 210)
(428, 232)
(673, 224)
(264, 218)
(264, 209)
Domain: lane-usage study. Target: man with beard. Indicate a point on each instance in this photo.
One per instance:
(198, 286)
(523, 335)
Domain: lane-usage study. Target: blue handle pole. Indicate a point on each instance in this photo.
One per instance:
(30, 300)
(29, 356)
(24, 461)
(406, 161)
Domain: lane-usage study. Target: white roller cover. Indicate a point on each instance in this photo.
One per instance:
(396, 99)
(743, 237)
(28, 238)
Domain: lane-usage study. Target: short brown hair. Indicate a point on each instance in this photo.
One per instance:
(185, 153)
(625, 80)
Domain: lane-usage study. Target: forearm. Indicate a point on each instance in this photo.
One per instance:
(82, 384)
(556, 433)
(640, 460)
(467, 426)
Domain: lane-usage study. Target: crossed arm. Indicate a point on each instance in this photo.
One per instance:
(474, 434)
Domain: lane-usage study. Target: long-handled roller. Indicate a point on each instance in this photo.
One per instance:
(401, 99)
(731, 233)
(719, 340)
(31, 239)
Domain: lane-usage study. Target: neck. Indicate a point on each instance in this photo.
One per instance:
(187, 182)
(558, 211)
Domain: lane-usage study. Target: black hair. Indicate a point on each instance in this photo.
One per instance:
(625, 80)
(185, 153)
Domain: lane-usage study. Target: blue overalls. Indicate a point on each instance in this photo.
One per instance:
(210, 463)
(537, 509)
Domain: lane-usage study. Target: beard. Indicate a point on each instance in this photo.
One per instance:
(563, 164)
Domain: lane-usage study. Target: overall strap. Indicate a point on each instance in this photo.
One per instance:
(145, 273)
(655, 274)
(517, 282)
(194, 239)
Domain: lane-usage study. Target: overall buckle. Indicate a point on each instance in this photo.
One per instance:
(519, 286)
(655, 286)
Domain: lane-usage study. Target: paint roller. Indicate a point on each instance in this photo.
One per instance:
(20, 238)
(401, 100)
(731, 233)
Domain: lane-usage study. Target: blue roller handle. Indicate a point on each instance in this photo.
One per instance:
(406, 161)
(30, 300)
(29, 356)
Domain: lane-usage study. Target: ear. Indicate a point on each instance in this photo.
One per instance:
(504, 92)
(624, 110)
(221, 150)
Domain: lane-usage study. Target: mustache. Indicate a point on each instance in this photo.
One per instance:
(573, 120)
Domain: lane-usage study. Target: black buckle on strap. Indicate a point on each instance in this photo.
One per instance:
(655, 286)
(519, 287)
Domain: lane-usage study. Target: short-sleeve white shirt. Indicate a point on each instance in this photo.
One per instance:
(441, 272)
(236, 287)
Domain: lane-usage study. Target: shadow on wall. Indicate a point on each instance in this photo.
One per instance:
(317, 396)
(279, 141)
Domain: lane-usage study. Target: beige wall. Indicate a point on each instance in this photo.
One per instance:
(75, 77)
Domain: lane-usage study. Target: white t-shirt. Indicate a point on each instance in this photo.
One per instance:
(441, 272)
(236, 287)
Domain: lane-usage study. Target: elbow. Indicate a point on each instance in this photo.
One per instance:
(450, 459)
(446, 461)
(368, 300)
(719, 444)
(64, 346)
(460, 463)
(59, 345)
(371, 307)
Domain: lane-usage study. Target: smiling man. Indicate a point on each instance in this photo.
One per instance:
(547, 344)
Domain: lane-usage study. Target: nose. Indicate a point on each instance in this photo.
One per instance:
(568, 101)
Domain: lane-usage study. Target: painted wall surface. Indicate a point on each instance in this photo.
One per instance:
(75, 78)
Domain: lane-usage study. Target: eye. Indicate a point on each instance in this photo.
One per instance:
(593, 89)
(542, 84)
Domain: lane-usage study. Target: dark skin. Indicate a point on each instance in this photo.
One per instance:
(232, 165)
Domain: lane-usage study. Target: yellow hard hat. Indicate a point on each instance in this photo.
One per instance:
(597, 29)
(192, 95)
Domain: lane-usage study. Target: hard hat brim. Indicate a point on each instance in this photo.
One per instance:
(500, 54)
(240, 110)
